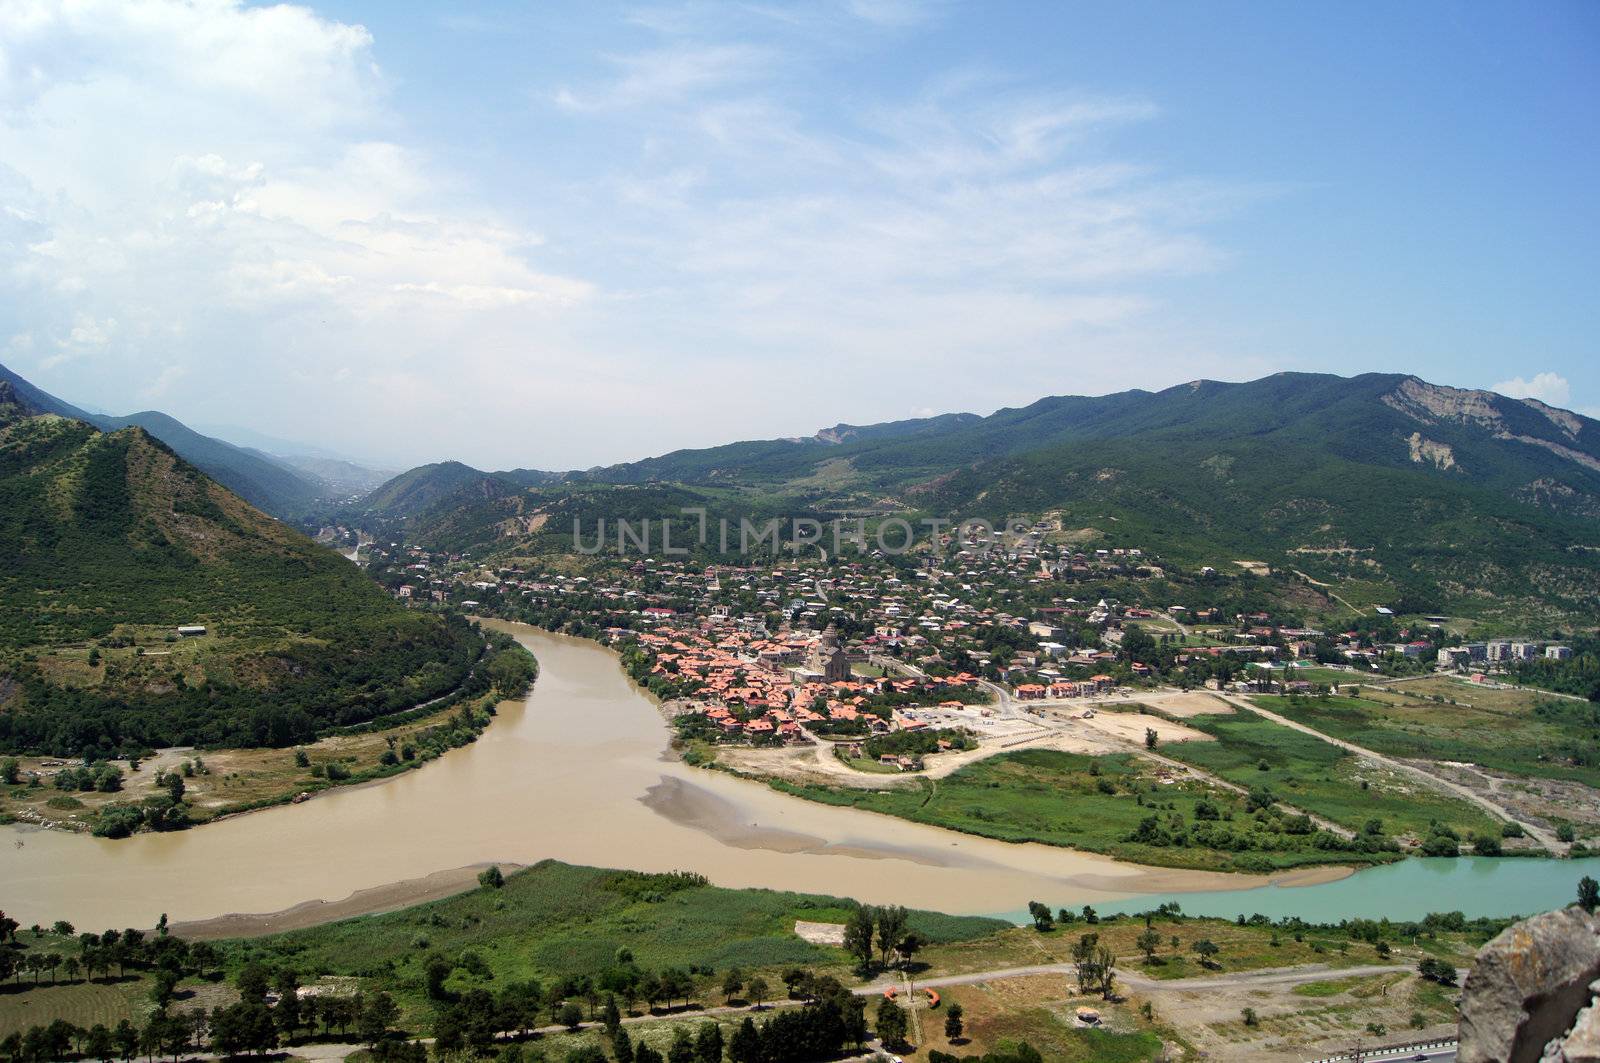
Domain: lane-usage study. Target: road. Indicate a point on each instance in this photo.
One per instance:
(1538, 834)
(1546, 838)
(1277, 976)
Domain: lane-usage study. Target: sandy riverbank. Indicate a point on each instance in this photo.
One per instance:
(575, 772)
(387, 898)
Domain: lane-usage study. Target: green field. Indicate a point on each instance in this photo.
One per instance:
(1096, 804)
(1321, 778)
(556, 920)
(1521, 734)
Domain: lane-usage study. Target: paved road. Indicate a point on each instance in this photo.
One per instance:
(1277, 976)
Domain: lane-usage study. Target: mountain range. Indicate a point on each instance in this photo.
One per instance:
(1383, 486)
(287, 487)
(112, 541)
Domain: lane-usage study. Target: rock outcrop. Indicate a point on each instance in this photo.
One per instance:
(1531, 995)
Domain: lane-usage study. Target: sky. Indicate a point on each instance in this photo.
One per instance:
(562, 235)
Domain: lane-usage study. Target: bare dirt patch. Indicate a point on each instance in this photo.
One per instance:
(1187, 703)
(820, 933)
(1130, 727)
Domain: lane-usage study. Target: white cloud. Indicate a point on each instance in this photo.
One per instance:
(670, 74)
(206, 203)
(216, 205)
(1548, 388)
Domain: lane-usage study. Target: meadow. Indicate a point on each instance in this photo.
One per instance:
(1321, 778)
(1098, 804)
(1516, 732)
(555, 921)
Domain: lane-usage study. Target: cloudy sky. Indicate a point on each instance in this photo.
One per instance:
(584, 233)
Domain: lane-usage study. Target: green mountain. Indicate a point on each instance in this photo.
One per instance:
(417, 489)
(112, 541)
(1384, 487)
(264, 483)
(271, 486)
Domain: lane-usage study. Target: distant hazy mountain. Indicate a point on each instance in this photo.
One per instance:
(269, 444)
(112, 540)
(280, 490)
(338, 477)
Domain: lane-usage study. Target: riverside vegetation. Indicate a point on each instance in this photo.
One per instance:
(1116, 804)
(558, 962)
(116, 799)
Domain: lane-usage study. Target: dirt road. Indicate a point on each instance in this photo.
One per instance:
(1538, 834)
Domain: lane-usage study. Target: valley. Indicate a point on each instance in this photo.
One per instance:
(991, 722)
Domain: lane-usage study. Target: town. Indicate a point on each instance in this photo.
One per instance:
(964, 643)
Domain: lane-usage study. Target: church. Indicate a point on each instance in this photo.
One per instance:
(828, 658)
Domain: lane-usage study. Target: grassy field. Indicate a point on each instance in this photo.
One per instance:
(1086, 802)
(555, 920)
(1322, 778)
(1513, 731)
(1040, 1011)
(24, 1005)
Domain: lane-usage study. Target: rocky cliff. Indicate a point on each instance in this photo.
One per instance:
(1534, 993)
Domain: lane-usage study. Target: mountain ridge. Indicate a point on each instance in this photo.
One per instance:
(270, 486)
(113, 540)
(1389, 485)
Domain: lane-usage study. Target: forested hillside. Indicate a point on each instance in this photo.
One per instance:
(112, 541)
(269, 485)
(1387, 488)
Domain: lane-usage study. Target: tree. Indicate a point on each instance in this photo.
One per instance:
(682, 1049)
(1083, 955)
(435, 970)
(1108, 975)
(378, 1013)
(1565, 833)
(253, 981)
(99, 1044)
(858, 935)
(891, 1024)
(757, 990)
(1588, 894)
(891, 928)
(908, 948)
(745, 1044)
(1148, 942)
(732, 982)
(621, 1046)
(1150, 738)
(708, 1044)
(1206, 949)
(571, 1016)
(126, 1038)
(287, 1013)
(491, 877)
(1042, 919)
(952, 1023)
(1249, 1016)
(1437, 970)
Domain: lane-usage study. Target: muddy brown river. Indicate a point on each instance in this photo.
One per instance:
(578, 771)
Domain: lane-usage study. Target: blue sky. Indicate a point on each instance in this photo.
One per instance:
(560, 235)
